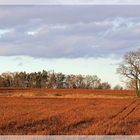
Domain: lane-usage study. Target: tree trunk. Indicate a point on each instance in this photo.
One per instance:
(138, 92)
(137, 88)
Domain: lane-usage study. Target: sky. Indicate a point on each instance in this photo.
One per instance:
(73, 39)
(70, 2)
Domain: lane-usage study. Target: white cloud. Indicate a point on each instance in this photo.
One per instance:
(4, 31)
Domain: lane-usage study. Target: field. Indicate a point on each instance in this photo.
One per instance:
(69, 112)
(66, 93)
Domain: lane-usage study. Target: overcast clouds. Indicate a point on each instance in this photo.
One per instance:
(69, 31)
(69, 1)
(79, 39)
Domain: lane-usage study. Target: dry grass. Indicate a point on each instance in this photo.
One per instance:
(67, 93)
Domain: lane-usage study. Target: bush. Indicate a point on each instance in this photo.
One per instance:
(57, 94)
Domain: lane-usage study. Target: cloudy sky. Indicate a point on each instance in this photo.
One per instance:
(78, 39)
(69, 1)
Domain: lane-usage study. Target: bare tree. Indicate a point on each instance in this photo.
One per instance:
(130, 68)
(104, 85)
(130, 84)
(49, 79)
(118, 87)
(92, 82)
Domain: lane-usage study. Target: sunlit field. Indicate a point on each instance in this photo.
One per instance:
(62, 112)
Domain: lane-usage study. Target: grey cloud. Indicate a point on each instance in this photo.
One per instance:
(69, 31)
(68, 1)
(11, 16)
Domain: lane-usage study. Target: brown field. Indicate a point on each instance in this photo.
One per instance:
(69, 112)
(66, 93)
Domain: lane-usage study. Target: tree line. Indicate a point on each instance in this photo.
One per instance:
(49, 79)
